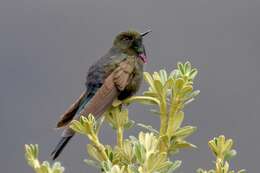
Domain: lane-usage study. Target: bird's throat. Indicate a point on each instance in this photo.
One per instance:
(143, 57)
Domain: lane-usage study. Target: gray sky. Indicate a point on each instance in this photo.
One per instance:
(47, 46)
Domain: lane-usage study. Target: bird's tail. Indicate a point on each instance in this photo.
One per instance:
(60, 146)
(68, 133)
(73, 110)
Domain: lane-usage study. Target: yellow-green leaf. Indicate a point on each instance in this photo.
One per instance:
(142, 99)
(184, 144)
(177, 121)
(187, 66)
(163, 75)
(185, 131)
(148, 78)
(187, 89)
(179, 84)
(169, 84)
(156, 76)
(159, 87)
(181, 68)
(92, 151)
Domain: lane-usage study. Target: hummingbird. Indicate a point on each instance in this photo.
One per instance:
(116, 75)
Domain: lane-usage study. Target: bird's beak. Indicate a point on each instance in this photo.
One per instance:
(142, 54)
(145, 33)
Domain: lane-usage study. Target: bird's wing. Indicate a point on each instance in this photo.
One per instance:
(71, 111)
(113, 84)
(108, 92)
(102, 99)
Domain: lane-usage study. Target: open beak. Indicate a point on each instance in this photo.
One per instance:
(141, 49)
(145, 33)
(142, 54)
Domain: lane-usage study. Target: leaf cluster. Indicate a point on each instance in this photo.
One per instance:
(222, 150)
(31, 155)
(170, 93)
(151, 150)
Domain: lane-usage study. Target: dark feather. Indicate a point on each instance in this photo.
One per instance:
(98, 104)
(58, 149)
(70, 113)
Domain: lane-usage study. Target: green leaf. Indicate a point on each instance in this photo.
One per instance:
(164, 142)
(187, 66)
(57, 168)
(93, 153)
(45, 168)
(187, 89)
(169, 84)
(213, 147)
(148, 78)
(85, 125)
(185, 131)
(193, 73)
(201, 171)
(133, 139)
(228, 145)
(149, 141)
(155, 111)
(188, 102)
(156, 76)
(173, 75)
(150, 94)
(31, 154)
(99, 124)
(92, 163)
(159, 87)
(191, 95)
(221, 147)
(139, 151)
(174, 166)
(157, 161)
(230, 154)
(129, 124)
(181, 68)
(143, 100)
(106, 166)
(148, 127)
(177, 121)
(178, 84)
(163, 75)
(76, 126)
(183, 144)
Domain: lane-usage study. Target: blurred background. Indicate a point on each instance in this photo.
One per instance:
(46, 47)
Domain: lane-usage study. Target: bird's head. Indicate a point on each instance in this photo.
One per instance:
(131, 42)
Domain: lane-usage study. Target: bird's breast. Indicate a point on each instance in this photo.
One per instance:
(135, 82)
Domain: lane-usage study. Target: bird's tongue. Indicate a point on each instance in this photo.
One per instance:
(143, 57)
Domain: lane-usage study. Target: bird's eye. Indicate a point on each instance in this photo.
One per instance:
(127, 38)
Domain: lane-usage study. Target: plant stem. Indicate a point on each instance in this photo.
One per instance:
(164, 118)
(120, 132)
(219, 163)
(173, 110)
(100, 147)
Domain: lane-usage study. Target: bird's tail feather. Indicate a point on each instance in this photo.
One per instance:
(58, 149)
(82, 101)
(74, 109)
